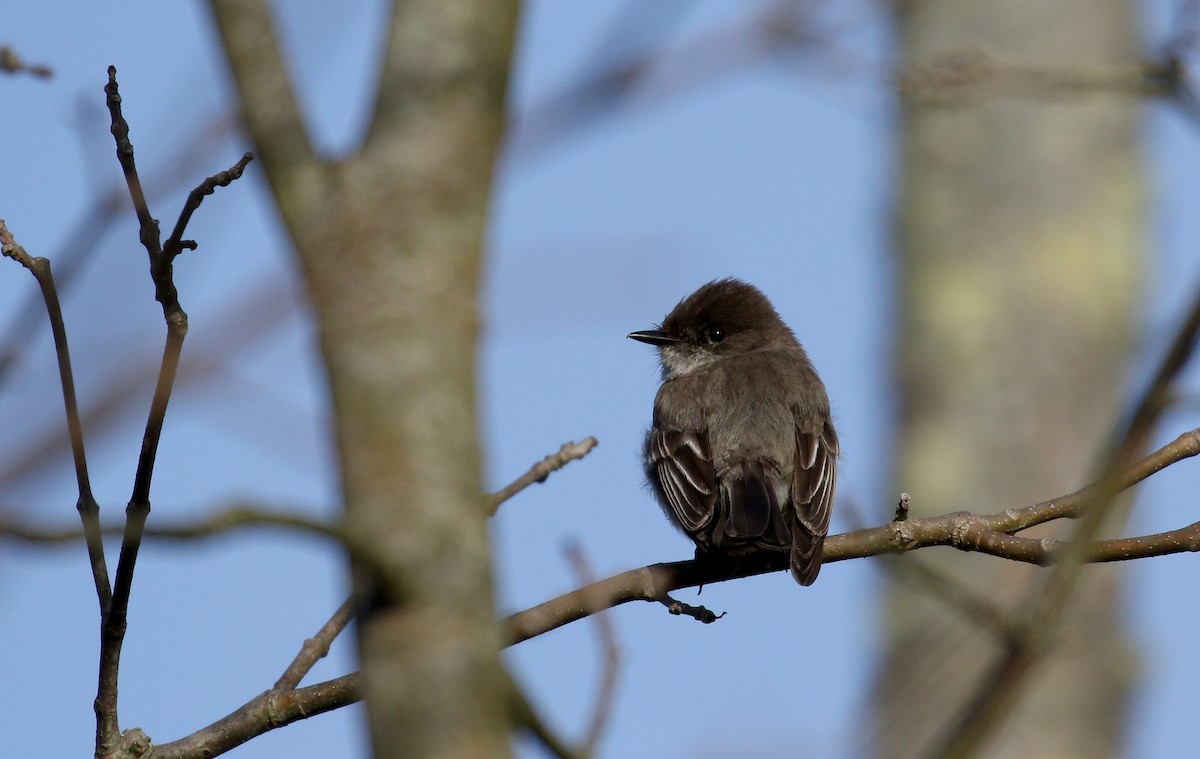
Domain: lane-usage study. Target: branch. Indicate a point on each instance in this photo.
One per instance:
(316, 647)
(255, 313)
(974, 607)
(281, 705)
(524, 715)
(148, 232)
(540, 471)
(115, 613)
(988, 533)
(985, 533)
(89, 510)
(612, 657)
(1157, 395)
(265, 712)
(969, 532)
(91, 226)
(231, 519)
(175, 243)
(162, 273)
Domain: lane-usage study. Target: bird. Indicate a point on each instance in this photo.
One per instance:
(741, 452)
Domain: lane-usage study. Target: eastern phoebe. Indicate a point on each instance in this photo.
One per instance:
(741, 452)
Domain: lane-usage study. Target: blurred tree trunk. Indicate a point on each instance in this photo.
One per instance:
(390, 243)
(1019, 230)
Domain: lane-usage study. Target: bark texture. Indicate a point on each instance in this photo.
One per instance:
(1019, 232)
(390, 243)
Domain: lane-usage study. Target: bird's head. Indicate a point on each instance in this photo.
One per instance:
(724, 318)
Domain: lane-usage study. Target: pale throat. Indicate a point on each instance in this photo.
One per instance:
(683, 358)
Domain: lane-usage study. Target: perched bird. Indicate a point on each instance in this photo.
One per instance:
(741, 452)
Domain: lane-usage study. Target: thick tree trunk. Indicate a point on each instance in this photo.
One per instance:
(1019, 233)
(390, 241)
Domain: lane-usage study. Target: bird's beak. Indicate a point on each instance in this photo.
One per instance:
(654, 337)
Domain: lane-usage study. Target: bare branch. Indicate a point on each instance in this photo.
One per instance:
(968, 532)
(265, 712)
(612, 655)
(1155, 398)
(83, 237)
(254, 314)
(988, 533)
(89, 510)
(231, 519)
(973, 606)
(316, 647)
(269, 107)
(148, 232)
(138, 509)
(176, 244)
(540, 471)
(115, 615)
(525, 715)
(985, 533)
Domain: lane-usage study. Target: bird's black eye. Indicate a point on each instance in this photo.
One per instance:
(714, 334)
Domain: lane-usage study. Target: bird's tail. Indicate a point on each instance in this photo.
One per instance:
(750, 508)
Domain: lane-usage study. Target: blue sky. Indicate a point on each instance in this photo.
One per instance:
(776, 171)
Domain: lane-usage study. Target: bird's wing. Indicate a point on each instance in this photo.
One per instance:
(681, 464)
(813, 480)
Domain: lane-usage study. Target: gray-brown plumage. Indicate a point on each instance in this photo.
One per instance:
(741, 451)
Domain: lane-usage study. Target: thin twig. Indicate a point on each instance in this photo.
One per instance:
(148, 232)
(525, 715)
(1155, 398)
(91, 226)
(162, 273)
(607, 690)
(973, 606)
(227, 520)
(316, 647)
(231, 519)
(89, 510)
(175, 244)
(540, 471)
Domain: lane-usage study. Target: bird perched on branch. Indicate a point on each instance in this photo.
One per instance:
(741, 452)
